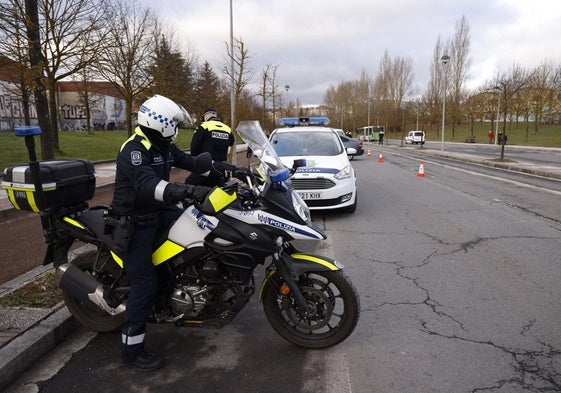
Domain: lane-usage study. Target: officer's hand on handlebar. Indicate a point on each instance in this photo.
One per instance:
(242, 173)
(199, 193)
(177, 192)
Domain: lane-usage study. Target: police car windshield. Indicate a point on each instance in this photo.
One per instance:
(306, 143)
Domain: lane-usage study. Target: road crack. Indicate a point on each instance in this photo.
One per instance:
(536, 371)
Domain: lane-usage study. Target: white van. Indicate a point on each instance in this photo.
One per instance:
(415, 137)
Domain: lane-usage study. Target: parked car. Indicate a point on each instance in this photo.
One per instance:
(415, 137)
(350, 142)
(328, 180)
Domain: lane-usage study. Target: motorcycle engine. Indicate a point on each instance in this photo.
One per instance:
(188, 300)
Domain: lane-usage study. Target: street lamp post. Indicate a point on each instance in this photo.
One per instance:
(286, 88)
(369, 99)
(232, 93)
(444, 60)
(498, 114)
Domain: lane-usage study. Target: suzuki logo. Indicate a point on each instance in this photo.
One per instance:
(253, 236)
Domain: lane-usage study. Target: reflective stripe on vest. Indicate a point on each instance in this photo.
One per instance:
(213, 125)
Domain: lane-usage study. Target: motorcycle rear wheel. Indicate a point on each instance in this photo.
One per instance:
(83, 313)
(333, 306)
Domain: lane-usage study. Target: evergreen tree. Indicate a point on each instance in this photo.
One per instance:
(172, 74)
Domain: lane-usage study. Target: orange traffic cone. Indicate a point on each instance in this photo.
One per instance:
(368, 153)
(380, 157)
(421, 170)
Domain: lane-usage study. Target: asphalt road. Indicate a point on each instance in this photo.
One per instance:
(458, 275)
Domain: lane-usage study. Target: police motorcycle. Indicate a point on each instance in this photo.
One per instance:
(206, 260)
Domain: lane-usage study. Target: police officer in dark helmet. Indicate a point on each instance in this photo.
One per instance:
(214, 137)
(144, 195)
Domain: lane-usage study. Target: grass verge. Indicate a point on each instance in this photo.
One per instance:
(40, 293)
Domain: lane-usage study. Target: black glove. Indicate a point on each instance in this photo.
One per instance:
(223, 167)
(177, 192)
(242, 173)
(199, 193)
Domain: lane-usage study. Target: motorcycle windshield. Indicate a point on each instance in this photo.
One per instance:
(252, 134)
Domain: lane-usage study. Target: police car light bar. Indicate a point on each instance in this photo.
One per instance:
(304, 121)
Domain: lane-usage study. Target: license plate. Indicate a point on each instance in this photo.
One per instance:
(310, 195)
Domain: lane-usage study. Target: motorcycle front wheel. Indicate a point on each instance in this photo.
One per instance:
(333, 310)
(85, 314)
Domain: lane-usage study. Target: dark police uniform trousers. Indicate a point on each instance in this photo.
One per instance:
(143, 277)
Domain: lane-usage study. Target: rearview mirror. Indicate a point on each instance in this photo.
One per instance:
(299, 163)
(203, 163)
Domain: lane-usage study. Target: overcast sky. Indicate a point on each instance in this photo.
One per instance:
(319, 43)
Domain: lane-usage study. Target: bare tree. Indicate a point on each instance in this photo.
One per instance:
(275, 94)
(127, 59)
(435, 88)
(15, 55)
(555, 112)
(510, 83)
(361, 97)
(239, 76)
(391, 86)
(459, 67)
(339, 99)
(542, 82)
(267, 75)
(74, 35)
(21, 42)
(479, 105)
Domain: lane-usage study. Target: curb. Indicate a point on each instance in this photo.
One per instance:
(26, 349)
(515, 166)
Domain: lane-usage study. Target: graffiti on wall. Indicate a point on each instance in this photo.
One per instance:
(107, 114)
(103, 115)
(11, 112)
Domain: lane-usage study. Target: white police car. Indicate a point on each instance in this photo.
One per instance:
(328, 180)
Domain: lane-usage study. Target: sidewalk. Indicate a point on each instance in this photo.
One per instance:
(550, 171)
(28, 334)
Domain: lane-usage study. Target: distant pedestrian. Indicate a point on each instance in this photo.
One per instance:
(381, 138)
(500, 139)
(491, 136)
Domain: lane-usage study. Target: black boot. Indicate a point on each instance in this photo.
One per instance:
(146, 361)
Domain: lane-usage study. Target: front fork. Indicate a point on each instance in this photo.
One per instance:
(291, 264)
(290, 278)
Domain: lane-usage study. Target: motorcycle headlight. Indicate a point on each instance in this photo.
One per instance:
(344, 173)
(300, 206)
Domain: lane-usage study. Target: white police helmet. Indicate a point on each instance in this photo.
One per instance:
(162, 115)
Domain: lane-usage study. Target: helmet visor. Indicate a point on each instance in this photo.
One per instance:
(187, 120)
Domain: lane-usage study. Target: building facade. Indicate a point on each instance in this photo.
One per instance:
(107, 107)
